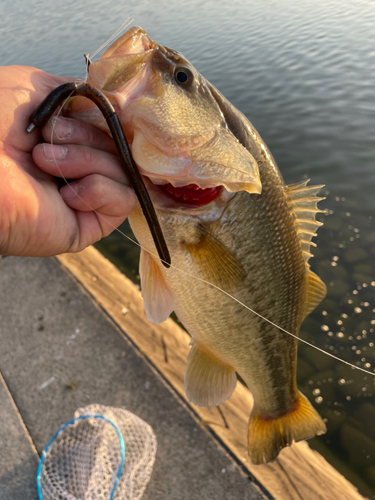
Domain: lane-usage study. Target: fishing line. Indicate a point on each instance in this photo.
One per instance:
(252, 310)
(205, 281)
(126, 23)
(173, 266)
(88, 57)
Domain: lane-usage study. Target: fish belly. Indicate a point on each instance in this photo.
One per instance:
(263, 356)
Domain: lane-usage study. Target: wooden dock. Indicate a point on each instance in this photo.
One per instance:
(298, 473)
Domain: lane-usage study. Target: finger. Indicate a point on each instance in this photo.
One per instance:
(60, 130)
(108, 203)
(75, 162)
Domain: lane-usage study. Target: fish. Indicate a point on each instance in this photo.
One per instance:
(230, 221)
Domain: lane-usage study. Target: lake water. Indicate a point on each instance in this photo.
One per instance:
(303, 73)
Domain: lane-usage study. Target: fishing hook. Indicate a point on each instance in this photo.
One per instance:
(46, 109)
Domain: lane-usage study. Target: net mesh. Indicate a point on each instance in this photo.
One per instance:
(83, 459)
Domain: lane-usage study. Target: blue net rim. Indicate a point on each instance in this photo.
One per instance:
(82, 417)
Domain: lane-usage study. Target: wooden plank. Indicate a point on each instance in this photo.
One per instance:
(298, 473)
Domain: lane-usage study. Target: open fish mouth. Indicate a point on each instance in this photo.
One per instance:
(204, 201)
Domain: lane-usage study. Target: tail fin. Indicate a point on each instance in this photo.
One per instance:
(267, 437)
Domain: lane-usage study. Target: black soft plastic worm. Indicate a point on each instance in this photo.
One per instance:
(46, 109)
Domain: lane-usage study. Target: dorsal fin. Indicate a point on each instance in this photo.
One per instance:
(302, 201)
(315, 292)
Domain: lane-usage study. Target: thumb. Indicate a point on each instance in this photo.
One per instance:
(25, 89)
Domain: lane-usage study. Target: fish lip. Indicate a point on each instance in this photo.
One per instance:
(135, 32)
(162, 181)
(183, 179)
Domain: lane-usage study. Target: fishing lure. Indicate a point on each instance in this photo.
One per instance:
(45, 110)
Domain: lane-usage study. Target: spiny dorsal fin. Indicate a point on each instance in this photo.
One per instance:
(315, 292)
(217, 264)
(303, 202)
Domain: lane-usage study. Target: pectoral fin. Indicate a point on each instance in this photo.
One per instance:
(157, 296)
(207, 381)
(217, 264)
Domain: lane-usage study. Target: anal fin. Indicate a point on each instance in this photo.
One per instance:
(157, 296)
(208, 382)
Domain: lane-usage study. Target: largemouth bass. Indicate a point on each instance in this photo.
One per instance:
(229, 219)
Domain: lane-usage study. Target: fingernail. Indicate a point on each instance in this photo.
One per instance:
(53, 152)
(70, 191)
(62, 127)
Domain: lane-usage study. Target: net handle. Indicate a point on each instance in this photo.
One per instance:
(82, 417)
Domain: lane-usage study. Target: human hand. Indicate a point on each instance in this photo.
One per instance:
(37, 218)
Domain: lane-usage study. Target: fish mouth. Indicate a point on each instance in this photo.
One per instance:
(188, 200)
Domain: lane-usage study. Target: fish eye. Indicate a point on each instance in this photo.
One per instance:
(183, 76)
